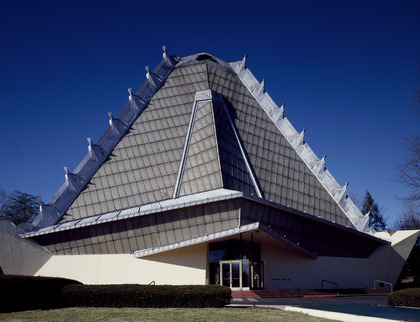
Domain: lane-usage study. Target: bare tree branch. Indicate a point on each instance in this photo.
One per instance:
(408, 171)
(19, 207)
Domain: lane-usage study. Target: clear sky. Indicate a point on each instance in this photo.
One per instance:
(347, 70)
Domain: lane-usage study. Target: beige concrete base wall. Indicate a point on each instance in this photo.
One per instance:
(185, 266)
(290, 270)
(287, 269)
(284, 268)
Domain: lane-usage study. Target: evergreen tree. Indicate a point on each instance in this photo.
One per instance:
(376, 220)
(19, 207)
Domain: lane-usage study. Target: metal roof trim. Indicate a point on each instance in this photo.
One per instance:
(193, 59)
(99, 152)
(288, 242)
(187, 142)
(314, 218)
(214, 97)
(241, 148)
(161, 206)
(296, 140)
(195, 241)
(222, 234)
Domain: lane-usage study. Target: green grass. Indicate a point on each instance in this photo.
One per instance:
(146, 314)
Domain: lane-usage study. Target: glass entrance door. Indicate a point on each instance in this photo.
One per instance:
(225, 276)
(242, 274)
(231, 274)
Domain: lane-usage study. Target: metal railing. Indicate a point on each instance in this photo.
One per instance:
(383, 282)
(329, 282)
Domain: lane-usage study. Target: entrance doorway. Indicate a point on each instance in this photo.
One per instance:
(242, 274)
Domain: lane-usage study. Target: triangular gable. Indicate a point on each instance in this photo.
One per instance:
(237, 171)
(201, 153)
(213, 154)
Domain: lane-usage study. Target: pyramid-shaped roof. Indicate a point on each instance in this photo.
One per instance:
(199, 124)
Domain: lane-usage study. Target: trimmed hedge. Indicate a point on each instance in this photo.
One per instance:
(20, 293)
(407, 297)
(134, 295)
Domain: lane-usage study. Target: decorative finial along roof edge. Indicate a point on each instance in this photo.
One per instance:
(57, 206)
(297, 141)
(53, 211)
(142, 210)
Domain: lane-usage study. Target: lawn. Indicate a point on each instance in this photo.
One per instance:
(146, 314)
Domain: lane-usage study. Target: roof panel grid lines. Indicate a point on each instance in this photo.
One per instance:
(87, 167)
(169, 204)
(351, 212)
(143, 148)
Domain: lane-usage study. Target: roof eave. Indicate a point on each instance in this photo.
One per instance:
(223, 234)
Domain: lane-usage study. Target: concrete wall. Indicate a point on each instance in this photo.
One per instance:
(19, 256)
(288, 269)
(284, 268)
(183, 266)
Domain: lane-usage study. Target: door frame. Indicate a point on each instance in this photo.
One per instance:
(255, 278)
(230, 262)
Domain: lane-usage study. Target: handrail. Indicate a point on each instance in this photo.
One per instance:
(388, 283)
(152, 283)
(325, 281)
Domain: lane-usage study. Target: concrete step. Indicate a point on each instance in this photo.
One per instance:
(244, 294)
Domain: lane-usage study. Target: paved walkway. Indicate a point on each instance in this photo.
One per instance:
(342, 308)
(307, 293)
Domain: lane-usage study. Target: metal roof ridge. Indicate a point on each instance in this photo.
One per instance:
(192, 58)
(296, 140)
(241, 148)
(98, 152)
(199, 96)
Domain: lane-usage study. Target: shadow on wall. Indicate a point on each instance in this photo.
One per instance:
(19, 256)
(194, 256)
(389, 260)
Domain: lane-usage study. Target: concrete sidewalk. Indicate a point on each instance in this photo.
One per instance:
(351, 308)
(307, 293)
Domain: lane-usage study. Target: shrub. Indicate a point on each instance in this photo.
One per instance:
(19, 293)
(134, 295)
(407, 297)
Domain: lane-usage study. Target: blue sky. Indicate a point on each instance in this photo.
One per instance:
(346, 70)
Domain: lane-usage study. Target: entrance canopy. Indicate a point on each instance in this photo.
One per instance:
(265, 232)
